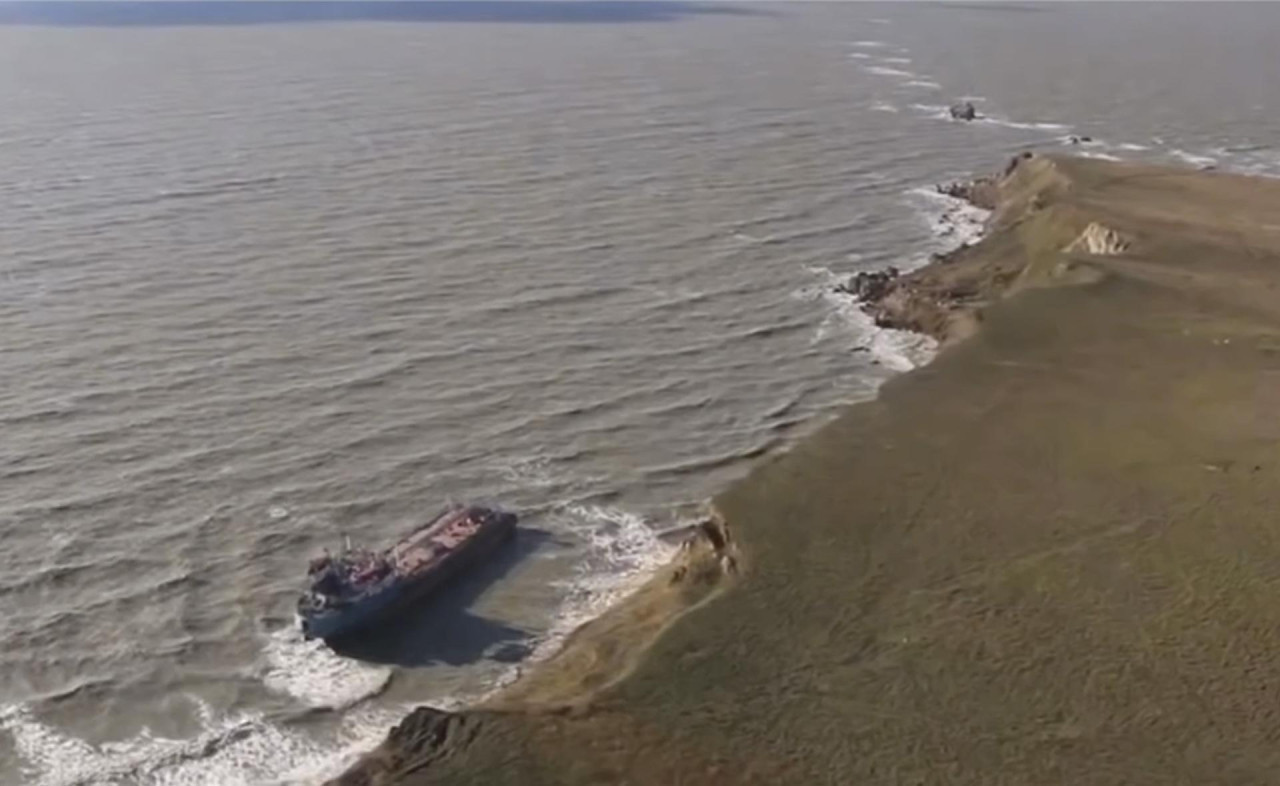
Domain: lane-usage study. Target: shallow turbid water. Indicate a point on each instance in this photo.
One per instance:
(272, 276)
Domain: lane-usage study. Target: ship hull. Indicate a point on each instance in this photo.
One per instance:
(380, 606)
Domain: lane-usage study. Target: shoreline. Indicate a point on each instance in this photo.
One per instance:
(604, 650)
(1026, 558)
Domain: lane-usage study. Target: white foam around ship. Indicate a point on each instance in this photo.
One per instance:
(314, 675)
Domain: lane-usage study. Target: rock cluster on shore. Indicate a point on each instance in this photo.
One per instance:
(869, 286)
(938, 298)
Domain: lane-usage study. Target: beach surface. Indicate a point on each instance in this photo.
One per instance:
(1049, 556)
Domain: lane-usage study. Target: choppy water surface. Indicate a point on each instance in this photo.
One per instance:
(271, 277)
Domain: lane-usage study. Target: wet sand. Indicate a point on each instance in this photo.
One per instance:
(1050, 556)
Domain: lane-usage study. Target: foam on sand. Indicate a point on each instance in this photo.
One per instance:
(1192, 158)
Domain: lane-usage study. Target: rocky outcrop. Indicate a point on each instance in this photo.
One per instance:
(869, 286)
(965, 111)
(980, 192)
(425, 737)
(943, 299)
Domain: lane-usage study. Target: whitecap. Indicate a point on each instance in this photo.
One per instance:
(1031, 126)
(896, 60)
(860, 55)
(881, 106)
(870, 44)
(923, 83)
(887, 71)
(935, 111)
(530, 471)
(1098, 154)
(1131, 147)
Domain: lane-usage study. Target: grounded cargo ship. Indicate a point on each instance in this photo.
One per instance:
(358, 588)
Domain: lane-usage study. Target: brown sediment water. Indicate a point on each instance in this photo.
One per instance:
(1049, 556)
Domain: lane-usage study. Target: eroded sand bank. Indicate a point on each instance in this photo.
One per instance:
(1051, 556)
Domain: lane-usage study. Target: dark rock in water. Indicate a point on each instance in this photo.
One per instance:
(965, 111)
(1079, 140)
(869, 286)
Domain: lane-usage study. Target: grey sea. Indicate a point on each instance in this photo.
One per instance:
(276, 274)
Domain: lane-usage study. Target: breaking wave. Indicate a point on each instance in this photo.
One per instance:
(887, 71)
(621, 551)
(231, 750)
(314, 675)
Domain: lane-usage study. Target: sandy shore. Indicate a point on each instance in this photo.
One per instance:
(1051, 556)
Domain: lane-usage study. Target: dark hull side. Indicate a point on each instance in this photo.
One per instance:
(378, 607)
